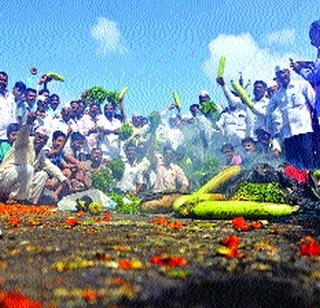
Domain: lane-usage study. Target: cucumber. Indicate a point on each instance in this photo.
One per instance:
(222, 64)
(243, 94)
(55, 76)
(196, 198)
(222, 177)
(247, 209)
(177, 100)
(122, 93)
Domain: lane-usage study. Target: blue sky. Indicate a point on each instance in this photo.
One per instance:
(152, 46)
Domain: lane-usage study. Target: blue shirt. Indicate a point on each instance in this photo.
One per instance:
(57, 159)
(313, 75)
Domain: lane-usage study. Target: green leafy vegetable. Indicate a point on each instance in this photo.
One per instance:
(270, 192)
(102, 180)
(125, 204)
(116, 166)
(209, 107)
(126, 131)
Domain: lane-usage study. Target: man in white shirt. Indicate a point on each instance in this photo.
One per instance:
(169, 176)
(24, 170)
(256, 118)
(295, 100)
(7, 106)
(132, 180)
(109, 133)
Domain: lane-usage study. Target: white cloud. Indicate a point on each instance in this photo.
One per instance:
(244, 55)
(284, 37)
(108, 36)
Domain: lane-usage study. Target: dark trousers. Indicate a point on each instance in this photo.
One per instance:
(300, 151)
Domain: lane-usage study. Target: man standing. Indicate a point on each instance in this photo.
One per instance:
(7, 106)
(24, 171)
(295, 100)
(109, 134)
(311, 73)
(27, 108)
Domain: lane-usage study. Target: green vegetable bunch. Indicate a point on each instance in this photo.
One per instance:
(209, 108)
(116, 166)
(270, 192)
(316, 173)
(102, 180)
(98, 95)
(126, 131)
(125, 204)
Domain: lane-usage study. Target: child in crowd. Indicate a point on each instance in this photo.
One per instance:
(231, 158)
(78, 146)
(95, 161)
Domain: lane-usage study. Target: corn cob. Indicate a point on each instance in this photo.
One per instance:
(55, 76)
(196, 198)
(222, 177)
(177, 100)
(122, 93)
(222, 64)
(230, 209)
(243, 94)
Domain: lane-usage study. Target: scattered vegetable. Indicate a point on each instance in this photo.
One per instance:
(222, 177)
(243, 94)
(222, 64)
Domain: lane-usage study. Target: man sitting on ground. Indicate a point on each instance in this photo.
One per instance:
(25, 170)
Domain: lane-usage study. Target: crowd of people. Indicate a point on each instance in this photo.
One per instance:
(51, 148)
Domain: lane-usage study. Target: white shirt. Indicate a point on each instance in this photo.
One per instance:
(233, 125)
(257, 116)
(7, 113)
(294, 104)
(132, 177)
(110, 143)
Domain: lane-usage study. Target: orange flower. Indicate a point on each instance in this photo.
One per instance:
(107, 216)
(175, 224)
(169, 261)
(71, 222)
(309, 247)
(13, 221)
(117, 281)
(25, 209)
(15, 299)
(125, 264)
(232, 242)
(239, 223)
(89, 295)
(256, 225)
(163, 221)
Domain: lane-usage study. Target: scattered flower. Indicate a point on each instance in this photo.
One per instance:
(309, 247)
(168, 261)
(71, 222)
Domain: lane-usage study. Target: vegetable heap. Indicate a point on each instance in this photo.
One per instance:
(126, 131)
(206, 204)
(270, 192)
(125, 204)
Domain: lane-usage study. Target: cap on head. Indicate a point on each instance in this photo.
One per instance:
(204, 93)
(43, 131)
